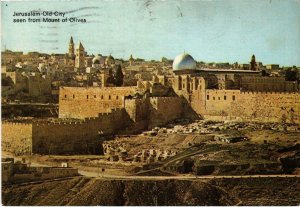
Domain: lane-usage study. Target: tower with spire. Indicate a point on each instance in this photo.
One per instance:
(71, 48)
(80, 56)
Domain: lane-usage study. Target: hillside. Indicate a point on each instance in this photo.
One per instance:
(84, 191)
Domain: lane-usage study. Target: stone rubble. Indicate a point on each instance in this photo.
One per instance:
(117, 151)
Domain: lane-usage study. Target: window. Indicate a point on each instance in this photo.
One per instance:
(94, 96)
(183, 85)
(117, 97)
(214, 98)
(219, 98)
(65, 96)
(73, 96)
(102, 97)
(207, 97)
(87, 96)
(233, 98)
(109, 97)
(224, 97)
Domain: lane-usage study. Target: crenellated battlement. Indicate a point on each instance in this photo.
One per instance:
(97, 88)
(264, 106)
(268, 92)
(221, 92)
(117, 109)
(59, 123)
(16, 123)
(54, 134)
(163, 98)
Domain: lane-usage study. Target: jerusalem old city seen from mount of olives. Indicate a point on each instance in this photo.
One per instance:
(88, 128)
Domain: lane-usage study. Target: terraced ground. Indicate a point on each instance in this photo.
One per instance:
(220, 191)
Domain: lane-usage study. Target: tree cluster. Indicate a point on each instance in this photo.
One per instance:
(291, 74)
(115, 76)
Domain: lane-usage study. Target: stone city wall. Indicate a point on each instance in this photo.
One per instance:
(80, 102)
(164, 110)
(278, 84)
(17, 137)
(85, 135)
(252, 106)
(80, 137)
(44, 173)
(153, 111)
(62, 137)
(137, 108)
(268, 107)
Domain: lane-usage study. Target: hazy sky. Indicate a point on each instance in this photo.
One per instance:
(209, 30)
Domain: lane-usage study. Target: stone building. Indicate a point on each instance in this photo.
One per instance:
(34, 84)
(38, 85)
(82, 102)
(211, 93)
(272, 67)
(236, 94)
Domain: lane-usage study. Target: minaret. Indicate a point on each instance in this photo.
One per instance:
(79, 60)
(71, 48)
(131, 60)
(253, 65)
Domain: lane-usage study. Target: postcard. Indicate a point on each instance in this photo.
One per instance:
(150, 103)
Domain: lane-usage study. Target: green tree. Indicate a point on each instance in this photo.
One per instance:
(118, 76)
(7, 81)
(110, 79)
(264, 73)
(291, 74)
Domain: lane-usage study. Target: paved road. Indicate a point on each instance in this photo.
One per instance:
(28, 104)
(100, 175)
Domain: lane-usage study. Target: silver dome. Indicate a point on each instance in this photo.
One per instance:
(183, 62)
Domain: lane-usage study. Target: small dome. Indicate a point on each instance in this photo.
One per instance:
(96, 59)
(183, 62)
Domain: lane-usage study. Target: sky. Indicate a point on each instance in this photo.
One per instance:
(209, 30)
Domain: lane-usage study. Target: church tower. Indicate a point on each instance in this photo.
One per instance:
(71, 48)
(80, 59)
